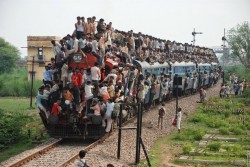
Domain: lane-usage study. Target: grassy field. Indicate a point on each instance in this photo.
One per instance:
(215, 117)
(31, 122)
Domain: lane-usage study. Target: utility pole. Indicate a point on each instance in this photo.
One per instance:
(32, 80)
(224, 52)
(224, 46)
(194, 34)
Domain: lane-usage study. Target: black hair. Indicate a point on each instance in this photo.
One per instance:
(82, 154)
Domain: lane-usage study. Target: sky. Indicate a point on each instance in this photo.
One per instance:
(165, 19)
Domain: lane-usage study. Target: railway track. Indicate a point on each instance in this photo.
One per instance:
(65, 153)
(28, 155)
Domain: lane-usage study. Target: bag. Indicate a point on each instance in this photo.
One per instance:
(113, 115)
(174, 122)
(84, 164)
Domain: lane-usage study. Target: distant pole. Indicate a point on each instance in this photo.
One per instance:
(177, 87)
(194, 37)
(119, 133)
(194, 34)
(137, 154)
(224, 50)
(224, 53)
(32, 81)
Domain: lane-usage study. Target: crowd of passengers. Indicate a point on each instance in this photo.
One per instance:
(238, 86)
(92, 94)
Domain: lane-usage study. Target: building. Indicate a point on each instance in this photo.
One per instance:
(41, 48)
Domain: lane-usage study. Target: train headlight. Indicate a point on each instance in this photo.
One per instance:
(77, 58)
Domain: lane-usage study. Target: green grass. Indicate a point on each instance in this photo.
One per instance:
(214, 115)
(32, 122)
(15, 149)
(11, 104)
(16, 84)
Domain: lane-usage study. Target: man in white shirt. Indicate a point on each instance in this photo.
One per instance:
(56, 47)
(111, 75)
(95, 72)
(95, 75)
(74, 46)
(88, 95)
(109, 109)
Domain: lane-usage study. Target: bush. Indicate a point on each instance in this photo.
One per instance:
(199, 117)
(216, 123)
(227, 113)
(198, 134)
(246, 94)
(11, 127)
(236, 130)
(187, 149)
(190, 134)
(214, 146)
(224, 131)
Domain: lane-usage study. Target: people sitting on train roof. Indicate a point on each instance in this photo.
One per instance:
(79, 27)
(74, 45)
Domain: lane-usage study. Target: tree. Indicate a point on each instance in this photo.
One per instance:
(9, 54)
(239, 41)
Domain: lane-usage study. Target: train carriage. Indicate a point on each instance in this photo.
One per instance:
(182, 69)
(204, 69)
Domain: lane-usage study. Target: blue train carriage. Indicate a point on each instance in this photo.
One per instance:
(154, 69)
(204, 69)
(185, 70)
(214, 66)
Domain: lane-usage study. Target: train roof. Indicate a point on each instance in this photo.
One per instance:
(184, 63)
(143, 64)
(204, 64)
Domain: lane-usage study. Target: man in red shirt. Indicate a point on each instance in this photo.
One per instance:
(53, 117)
(79, 78)
(74, 78)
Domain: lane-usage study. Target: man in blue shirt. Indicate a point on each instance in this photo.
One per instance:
(47, 76)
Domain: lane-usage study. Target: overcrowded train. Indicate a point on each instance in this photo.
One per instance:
(73, 126)
(85, 85)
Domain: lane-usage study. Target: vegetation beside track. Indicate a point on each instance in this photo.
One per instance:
(19, 126)
(218, 130)
(16, 84)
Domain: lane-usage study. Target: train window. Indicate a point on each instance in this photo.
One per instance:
(190, 68)
(180, 69)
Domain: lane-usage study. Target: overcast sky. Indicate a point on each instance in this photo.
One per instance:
(166, 19)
